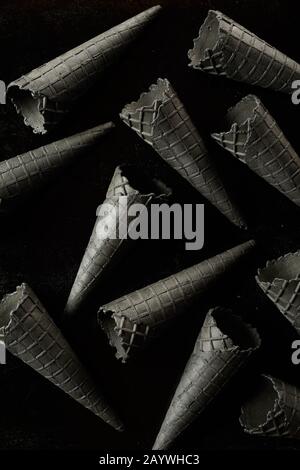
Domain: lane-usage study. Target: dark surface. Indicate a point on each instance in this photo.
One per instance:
(44, 243)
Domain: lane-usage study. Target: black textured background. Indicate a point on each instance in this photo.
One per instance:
(44, 243)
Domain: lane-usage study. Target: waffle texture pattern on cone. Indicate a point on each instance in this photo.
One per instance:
(273, 411)
(27, 172)
(280, 281)
(161, 120)
(226, 48)
(31, 335)
(256, 139)
(224, 345)
(44, 95)
(105, 248)
(134, 319)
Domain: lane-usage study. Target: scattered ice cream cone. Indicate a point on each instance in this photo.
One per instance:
(280, 281)
(134, 319)
(106, 248)
(46, 94)
(224, 344)
(31, 335)
(255, 138)
(226, 48)
(273, 411)
(26, 173)
(161, 120)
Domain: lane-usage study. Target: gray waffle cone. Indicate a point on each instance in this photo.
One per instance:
(28, 172)
(273, 411)
(255, 138)
(31, 335)
(226, 48)
(224, 345)
(134, 319)
(44, 95)
(161, 120)
(106, 248)
(280, 281)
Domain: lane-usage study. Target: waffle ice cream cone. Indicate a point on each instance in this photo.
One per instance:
(28, 172)
(105, 249)
(255, 138)
(273, 411)
(161, 120)
(280, 281)
(134, 319)
(31, 335)
(46, 94)
(224, 344)
(226, 48)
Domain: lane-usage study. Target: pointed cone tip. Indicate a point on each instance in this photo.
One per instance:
(154, 9)
(100, 130)
(71, 307)
(117, 424)
(250, 244)
(104, 127)
(88, 136)
(146, 15)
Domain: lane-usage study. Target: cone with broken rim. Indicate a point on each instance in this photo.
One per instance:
(280, 281)
(28, 172)
(46, 94)
(226, 48)
(131, 321)
(31, 335)
(224, 344)
(161, 120)
(273, 411)
(104, 251)
(255, 138)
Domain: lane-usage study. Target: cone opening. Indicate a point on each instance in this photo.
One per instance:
(109, 325)
(264, 400)
(123, 334)
(243, 110)
(9, 305)
(139, 180)
(28, 106)
(207, 40)
(286, 268)
(239, 119)
(242, 335)
(157, 93)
